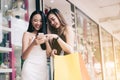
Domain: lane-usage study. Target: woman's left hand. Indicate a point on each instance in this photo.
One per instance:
(42, 38)
(52, 36)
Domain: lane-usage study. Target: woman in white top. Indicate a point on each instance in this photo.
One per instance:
(34, 49)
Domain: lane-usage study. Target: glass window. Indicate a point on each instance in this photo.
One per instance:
(108, 56)
(117, 57)
(88, 44)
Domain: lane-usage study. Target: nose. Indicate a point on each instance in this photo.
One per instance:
(38, 22)
(52, 22)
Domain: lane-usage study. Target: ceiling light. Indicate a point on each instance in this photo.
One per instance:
(52, 1)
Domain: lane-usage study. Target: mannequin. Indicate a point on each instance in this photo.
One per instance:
(19, 12)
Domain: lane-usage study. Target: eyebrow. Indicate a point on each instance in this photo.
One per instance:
(52, 17)
(37, 19)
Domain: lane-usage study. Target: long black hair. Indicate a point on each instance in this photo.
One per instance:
(43, 29)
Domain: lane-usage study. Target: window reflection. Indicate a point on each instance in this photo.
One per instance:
(108, 56)
(88, 44)
(117, 57)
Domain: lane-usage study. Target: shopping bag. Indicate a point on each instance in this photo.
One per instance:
(84, 73)
(70, 67)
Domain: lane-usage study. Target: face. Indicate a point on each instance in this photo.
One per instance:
(54, 21)
(37, 22)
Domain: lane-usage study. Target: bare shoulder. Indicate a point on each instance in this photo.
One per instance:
(27, 34)
(69, 29)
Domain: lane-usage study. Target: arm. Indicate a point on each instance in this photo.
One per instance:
(67, 46)
(48, 49)
(26, 47)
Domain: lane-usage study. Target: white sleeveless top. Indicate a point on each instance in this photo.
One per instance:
(35, 66)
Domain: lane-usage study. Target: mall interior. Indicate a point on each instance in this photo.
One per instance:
(96, 26)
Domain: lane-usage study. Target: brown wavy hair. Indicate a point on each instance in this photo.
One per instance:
(60, 17)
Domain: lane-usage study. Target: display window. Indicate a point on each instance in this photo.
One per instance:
(14, 8)
(12, 12)
(88, 44)
(108, 55)
(117, 57)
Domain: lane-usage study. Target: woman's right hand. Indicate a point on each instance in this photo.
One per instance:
(40, 39)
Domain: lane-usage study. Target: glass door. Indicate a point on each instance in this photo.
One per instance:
(117, 57)
(88, 44)
(108, 55)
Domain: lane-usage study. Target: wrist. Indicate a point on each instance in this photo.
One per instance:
(57, 38)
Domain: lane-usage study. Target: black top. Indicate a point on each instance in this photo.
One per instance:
(54, 44)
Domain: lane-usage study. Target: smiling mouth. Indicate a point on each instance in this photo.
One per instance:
(37, 27)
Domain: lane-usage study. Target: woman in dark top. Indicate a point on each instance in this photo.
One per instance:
(61, 36)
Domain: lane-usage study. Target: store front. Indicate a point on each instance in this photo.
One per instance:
(98, 46)
(99, 49)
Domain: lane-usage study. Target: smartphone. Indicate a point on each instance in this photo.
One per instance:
(40, 33)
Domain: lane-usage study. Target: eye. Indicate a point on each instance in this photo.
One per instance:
(36, 20)
(53, 19)
(41, 20)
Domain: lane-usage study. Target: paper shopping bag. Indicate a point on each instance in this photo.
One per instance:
(84, 73)
(68, 67)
